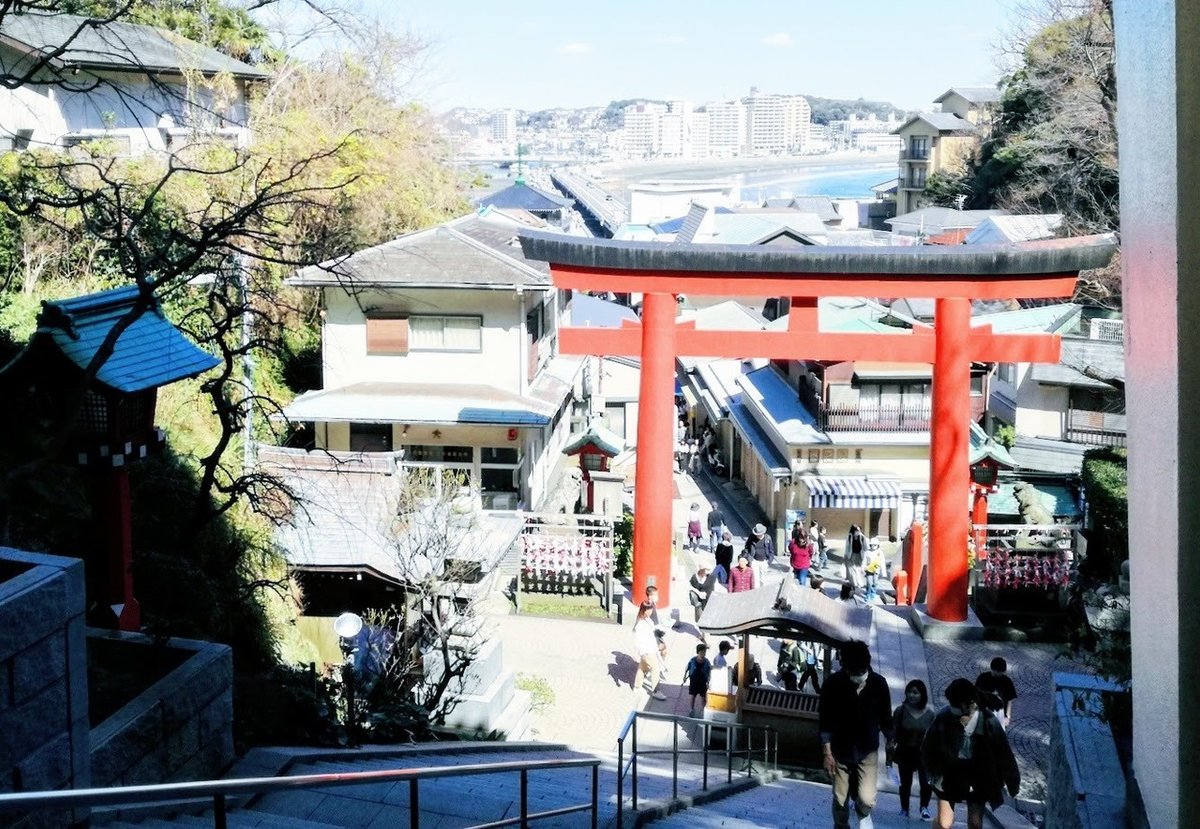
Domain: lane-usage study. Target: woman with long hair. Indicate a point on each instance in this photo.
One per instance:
(910, 721)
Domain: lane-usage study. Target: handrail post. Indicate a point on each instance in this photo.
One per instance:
(633, 764)
(414, 804)
(729, 752)
(707, 740)
(620, 781)
(595, 796)
(524, 799)
(675, 761)
(220, 819)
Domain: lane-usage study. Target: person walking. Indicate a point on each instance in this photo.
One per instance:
(741, 577)
(967, 757)
(716, 529)
(723, 554)
(853, 555)
(910, 721)
(854, 709)
(800, 549)
(997, 691)
(697, 675)
(701, 586)
(759, 551)
(646, 643)
(693, 456)
(694, 532)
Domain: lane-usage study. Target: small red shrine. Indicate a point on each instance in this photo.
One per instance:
(951, 276)
(595, 446)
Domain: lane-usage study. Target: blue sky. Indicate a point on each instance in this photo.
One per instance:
(535, 54)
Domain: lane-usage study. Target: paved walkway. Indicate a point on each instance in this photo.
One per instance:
(593, 675)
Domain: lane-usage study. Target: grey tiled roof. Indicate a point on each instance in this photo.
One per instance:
(940, 121)
(1048, 455)
(1086, 363)
(464, 253)
(821, 205)
(937, 219)
(113, 46)
(974, 94)
(525, 197)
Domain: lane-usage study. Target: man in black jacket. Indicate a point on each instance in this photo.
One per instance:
(855, 708)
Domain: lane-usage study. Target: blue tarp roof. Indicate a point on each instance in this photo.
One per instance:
(151, 352)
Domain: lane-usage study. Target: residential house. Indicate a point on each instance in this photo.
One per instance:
(440, 348)
(139, 88)
(925, 222)
(941, 141)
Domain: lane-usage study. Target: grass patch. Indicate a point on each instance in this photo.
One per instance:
(539, 688)
(571, 607)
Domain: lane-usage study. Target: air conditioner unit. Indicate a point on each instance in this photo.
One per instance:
(1110, 330)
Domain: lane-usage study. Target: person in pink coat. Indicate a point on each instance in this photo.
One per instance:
(800, 547)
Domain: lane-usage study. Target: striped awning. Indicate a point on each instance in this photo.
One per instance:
(851, 493)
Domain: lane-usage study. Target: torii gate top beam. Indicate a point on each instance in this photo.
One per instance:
(1019, 271)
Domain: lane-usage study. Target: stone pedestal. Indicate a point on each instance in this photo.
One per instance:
(971, 629)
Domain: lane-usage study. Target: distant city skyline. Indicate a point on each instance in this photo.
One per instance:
(540, 55)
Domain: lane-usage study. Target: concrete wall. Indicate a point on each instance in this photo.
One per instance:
(1041, 409)
(180, 728)
(43, 677)
(1158, 72)
(501, 363)
(1085, 785)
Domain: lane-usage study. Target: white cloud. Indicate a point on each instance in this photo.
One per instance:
(779, 40)
(576, 48)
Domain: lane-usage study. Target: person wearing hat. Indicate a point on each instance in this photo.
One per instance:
(697, 675)
(759, 551)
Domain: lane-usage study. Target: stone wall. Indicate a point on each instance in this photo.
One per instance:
(180, 728)
(43, 677)
(1085, 781)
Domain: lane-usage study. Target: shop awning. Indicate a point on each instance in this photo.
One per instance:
(851, 492)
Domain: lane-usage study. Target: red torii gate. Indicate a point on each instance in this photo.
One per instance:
(952, 276)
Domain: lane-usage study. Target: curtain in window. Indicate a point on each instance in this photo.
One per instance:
(461, 333)
(425, 332)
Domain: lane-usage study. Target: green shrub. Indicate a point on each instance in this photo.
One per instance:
(1105, 484)
(623, 546)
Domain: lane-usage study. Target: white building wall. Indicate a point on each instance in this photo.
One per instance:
(1041, 409)
(500, 363)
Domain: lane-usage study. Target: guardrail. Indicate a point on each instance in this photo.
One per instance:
(219, 791)
(769, 751)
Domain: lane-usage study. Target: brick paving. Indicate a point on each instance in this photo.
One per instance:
(1031, 667)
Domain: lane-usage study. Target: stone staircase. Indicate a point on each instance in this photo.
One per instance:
(444, 802)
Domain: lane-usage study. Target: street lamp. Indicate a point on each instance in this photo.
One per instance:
(348, 626)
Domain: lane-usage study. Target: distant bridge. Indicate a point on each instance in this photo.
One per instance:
(596, 203)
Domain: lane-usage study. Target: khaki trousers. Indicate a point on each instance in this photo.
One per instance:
(859, 780)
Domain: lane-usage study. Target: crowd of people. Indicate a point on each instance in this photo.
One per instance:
(959, 753)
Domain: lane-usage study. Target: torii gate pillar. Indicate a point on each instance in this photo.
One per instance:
(656, 441)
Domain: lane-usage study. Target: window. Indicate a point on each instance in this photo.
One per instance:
(370, 437)
(387, 334)
(445, 333)
(976, 385)
(499, 454)
(499, 477)
(614, 416)
(1007, 373)
(533, 324)
(918, 147)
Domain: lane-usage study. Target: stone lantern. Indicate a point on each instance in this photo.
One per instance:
(595, 446)
(987, 458)
(115, 422)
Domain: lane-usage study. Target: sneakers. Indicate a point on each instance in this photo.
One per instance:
(925, 815)
(658, 695)
(904, 813)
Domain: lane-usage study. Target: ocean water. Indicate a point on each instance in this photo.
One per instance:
(835, 180)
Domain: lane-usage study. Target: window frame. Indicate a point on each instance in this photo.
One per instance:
(444, 349)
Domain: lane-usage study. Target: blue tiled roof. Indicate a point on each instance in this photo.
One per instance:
(524, 197)
(668, 225)
(151, 352)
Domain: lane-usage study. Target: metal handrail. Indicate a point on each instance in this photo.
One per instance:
(770, 752)
(220, 790)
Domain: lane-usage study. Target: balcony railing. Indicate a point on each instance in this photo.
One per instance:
(914, 155)
(1097, 428)
(859, 418)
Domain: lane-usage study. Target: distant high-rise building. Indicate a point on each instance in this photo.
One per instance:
(726, 127)
(504, 126)
(643, 129)
(699, 134)
(776, 124)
